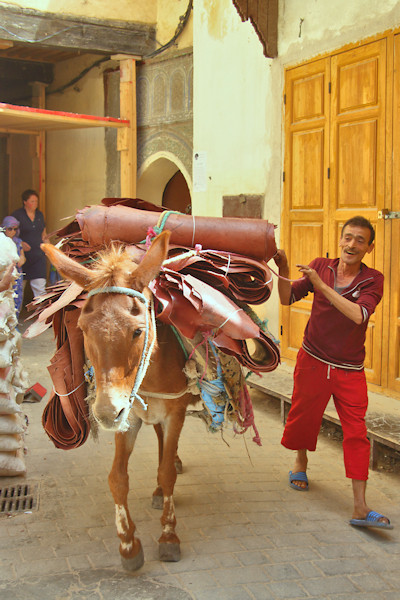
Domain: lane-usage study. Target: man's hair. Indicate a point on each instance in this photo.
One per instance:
(27, 194)
(361, 222)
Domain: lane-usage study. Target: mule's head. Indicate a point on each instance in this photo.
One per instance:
(114, 324)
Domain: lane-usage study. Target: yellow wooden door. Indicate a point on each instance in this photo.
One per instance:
(334, 169)
(392, 230)
(306, 176)
(357, 157)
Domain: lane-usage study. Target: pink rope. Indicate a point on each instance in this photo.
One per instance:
(150, 235)
(247, 415)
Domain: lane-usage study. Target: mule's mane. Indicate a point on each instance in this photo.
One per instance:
(113, 266)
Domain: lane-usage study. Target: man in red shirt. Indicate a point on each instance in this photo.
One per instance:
(330, 362)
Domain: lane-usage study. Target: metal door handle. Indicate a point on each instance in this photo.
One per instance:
(385, 213)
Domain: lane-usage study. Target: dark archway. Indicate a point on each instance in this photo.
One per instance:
(176, 194)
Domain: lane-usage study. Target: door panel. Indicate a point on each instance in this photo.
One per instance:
(308, 168)
(356, 169)
(392, 229)
(345, 131)
(358, 155)
(306, 196)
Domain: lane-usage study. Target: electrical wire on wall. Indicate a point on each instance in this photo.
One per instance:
(183, 19)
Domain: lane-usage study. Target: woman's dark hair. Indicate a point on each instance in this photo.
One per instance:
(361, 222)
(27, 194)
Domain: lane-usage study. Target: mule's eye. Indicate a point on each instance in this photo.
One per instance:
(136, 333)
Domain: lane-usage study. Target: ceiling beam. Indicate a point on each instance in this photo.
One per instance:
(24, 25)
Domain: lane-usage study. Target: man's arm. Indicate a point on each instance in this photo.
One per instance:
(349, 309)
(284, 287)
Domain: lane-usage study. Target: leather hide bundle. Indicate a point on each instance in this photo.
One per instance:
(202, 291)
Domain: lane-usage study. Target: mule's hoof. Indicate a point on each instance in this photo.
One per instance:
(178, 466)
(169, 552)
(133, 564)
(157, 502)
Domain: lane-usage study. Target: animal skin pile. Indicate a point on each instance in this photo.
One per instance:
(202, 293)
(13, 379)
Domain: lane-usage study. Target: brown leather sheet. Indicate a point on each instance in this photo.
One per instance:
(238, 277)
(100, 225)
(192, 305)
(66, 415)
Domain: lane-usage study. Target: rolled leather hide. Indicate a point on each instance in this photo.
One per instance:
(251, 237)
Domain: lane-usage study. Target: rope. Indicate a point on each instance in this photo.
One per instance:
(209, 389)
(69, 393)
(284, 278)
(166, 396)
(180, 257)
(157, 229)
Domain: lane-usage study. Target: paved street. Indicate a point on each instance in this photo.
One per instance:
(245, 534)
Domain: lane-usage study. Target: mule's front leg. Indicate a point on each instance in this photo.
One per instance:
(169, 543)
(130, 548)
(157, 500)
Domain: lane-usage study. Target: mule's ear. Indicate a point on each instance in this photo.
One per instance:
(151, 263)
(68, 268)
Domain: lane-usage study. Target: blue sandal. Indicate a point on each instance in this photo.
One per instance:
(299, 476)
(371, 520)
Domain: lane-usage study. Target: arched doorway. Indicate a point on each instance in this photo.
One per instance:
(164, 181)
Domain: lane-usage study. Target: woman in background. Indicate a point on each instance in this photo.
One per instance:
(10, 225)
(33, 233)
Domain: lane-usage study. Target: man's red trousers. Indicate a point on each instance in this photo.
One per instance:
(314, 383)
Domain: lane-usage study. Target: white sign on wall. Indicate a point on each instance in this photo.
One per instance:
(200, 172)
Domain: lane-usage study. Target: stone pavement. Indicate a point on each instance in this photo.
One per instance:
(245, 534)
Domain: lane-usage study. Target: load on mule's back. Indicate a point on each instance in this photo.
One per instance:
(119, 334)
(143, 373)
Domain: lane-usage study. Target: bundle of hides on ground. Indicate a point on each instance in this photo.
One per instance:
(203, 293)
(13, 378)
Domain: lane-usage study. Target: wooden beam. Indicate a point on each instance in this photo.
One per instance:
(55, 30)
(127, 137)
(39, 164)
(26, 70)
(5, 44)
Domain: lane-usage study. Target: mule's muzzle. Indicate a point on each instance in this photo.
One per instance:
(110, 415)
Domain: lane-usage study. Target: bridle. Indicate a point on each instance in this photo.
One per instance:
(147, 346)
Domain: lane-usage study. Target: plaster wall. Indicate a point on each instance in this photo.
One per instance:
(326, 26)
(168, 14)
(138, 11)
(76, 159)
(238, 93)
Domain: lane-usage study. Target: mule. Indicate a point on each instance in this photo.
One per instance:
(139, 379)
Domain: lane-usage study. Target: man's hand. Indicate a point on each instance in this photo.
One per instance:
(281, 262)
(312, 275)
(350, 309)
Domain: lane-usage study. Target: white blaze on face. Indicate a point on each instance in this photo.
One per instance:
(121, 520)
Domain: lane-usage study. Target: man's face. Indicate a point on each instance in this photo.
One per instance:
(355, 244)
(31, 203)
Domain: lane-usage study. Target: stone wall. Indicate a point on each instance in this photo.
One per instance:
(165, 108)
